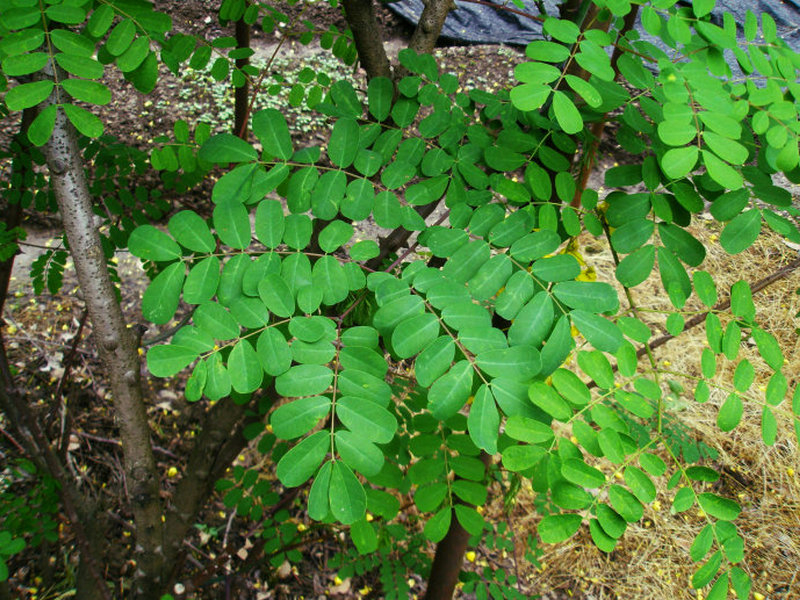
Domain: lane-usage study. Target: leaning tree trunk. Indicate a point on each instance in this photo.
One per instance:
(360, 15)
(241, 94)
(116, 346)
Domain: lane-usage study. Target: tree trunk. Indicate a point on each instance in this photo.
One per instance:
(449, 556)
(241, 94)
(116, 346)
(360, 15)
(431, 21)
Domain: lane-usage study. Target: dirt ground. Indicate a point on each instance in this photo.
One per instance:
(652, 562)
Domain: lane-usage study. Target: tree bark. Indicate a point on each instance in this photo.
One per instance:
(431, 21)
(360, 15)
(449, 556)
(241, 94)
(116, 346)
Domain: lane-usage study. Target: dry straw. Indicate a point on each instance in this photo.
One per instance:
(652, 560)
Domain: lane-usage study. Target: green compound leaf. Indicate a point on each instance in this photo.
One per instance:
(273, 351)
(570, 386)
(319, 504)
(522, 457)
(348, 501)
(469, 519)
(562, 30)
(218, 382)
(88, 91)
(768, 348)
(227, 148)
(270, 127)
(705, 288)
(679, 162)
(546, 398)
(191, 231)
(625, 503)
(596, 366)
(84, 121)
(437, 526)
(682, 243)
(343, 144)
(160, 300)
(304, 380)
(202, 282)
(579, 473)
(483, 421)
(601, 539)
(414, 334)
(364, 250)
(718, 507)
(730, 413)
(168, 359)
(42, 126)
(358, 452)
(567, 115)
(244, 368)
(640, 484)
(25, 64)
(741, 232)
(569, 496)
(673, 277)
(236, 185)
(557, 528)
(121, 37)
(149, 243)
(722, 172)
(562, 267)
(367, 418)
(300, 463)
(530, 96)
(590, 296)
(529, 430)
(336, 234)
(518, 363)
(450, 392)
(329, 276)
(364, 536)
(270, 223)
(636, 267)
(232, 223)
(26, 95)
(600, 332)
(707, 571)
(213, 319)
(435, 360)
(379, 96)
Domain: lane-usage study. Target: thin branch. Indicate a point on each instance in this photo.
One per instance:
(724, 305)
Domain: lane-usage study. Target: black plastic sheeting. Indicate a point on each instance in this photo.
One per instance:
(480, 24)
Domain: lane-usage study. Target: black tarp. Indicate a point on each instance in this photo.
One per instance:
(481, 24)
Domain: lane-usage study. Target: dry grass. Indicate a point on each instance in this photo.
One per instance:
(652, 559)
